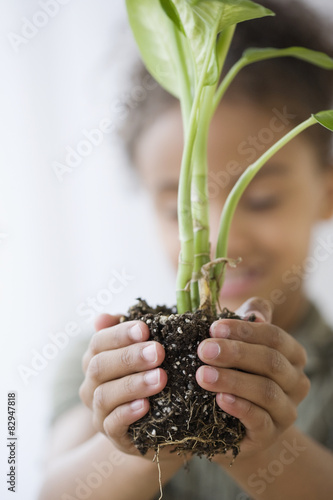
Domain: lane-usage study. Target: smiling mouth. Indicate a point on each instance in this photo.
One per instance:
(239, 281)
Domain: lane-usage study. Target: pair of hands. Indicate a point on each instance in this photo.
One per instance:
(121, 369)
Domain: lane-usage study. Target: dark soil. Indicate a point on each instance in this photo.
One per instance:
(183, 414)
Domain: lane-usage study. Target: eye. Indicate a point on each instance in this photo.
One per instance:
(261, 203)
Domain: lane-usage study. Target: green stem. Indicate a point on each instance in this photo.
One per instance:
(226, 82)
(239, 188)
(199, 200)
(186, 98)
(186, 234)
(245, 61)
(223, 45)
(213, 289)
(199, 197)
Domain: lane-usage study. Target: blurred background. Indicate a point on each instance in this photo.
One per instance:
(70, 223)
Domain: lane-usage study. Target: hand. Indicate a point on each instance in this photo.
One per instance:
(265, 394)
(121, 371)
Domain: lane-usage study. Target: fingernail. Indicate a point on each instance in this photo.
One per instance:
(209, 375)
(152, 377)
(257, 314)
(137, 405)
(135, 332)
(220, 330)
(150, 353)
(210, 350)
(228, 398)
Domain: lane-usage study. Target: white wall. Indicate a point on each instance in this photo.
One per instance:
(61, 242)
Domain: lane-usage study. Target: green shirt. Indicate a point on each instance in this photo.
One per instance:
(205, 480)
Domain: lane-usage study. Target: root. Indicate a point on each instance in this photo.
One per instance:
(157, 458)
(197, 437)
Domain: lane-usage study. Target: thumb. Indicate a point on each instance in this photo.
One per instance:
(261, 308)
(106, 321)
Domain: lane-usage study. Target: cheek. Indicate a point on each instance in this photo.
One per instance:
(286, 245)
(285, 235)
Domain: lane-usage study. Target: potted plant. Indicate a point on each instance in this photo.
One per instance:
(184, 45)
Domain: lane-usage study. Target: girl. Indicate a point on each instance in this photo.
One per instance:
(287, 450)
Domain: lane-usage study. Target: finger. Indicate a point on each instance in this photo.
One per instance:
(252, 358)
(110, 365)
(106, 321)
(262, 334)
(261, 391)
(261, 308)
(112, 394)
(117, 336)
(116, 424)
(258, 423)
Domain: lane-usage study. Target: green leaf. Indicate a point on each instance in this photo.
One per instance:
(203, 19)
(311, 56)
(154, 35)
(238, 11)
(325, 118)
(171, 11)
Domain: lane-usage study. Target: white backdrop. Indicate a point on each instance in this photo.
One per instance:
(62, 241)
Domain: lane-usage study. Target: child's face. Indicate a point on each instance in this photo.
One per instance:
(272, 226)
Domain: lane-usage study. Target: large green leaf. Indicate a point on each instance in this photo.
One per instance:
(155, 34)
(171, 11)
(311, 56)
(203, 19)
(325, 118)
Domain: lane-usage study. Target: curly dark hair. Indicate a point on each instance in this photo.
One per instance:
(303, 87)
